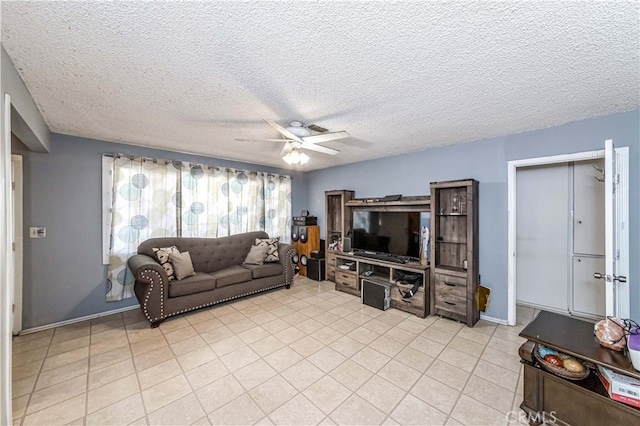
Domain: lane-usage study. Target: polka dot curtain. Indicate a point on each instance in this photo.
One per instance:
(156, 199)
(145, 205)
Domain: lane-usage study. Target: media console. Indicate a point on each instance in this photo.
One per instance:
(350, 269)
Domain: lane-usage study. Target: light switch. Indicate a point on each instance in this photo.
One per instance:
(37, 232)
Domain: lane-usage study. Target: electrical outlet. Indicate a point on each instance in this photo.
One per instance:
(37, 232)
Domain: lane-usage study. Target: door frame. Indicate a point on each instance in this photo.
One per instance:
(6, 274)
(512, 167)
(17, 178)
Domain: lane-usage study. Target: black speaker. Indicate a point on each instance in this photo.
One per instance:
(304, 260)
(295, 236)
(316, 269)
(295, 259)
(346, 244)
(304, 236)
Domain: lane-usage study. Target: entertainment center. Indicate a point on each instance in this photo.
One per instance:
(378, 240)
(351, 269)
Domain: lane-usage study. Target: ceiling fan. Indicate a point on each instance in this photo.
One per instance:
(297, 136)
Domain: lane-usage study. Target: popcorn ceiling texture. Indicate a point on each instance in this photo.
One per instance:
(399, 77)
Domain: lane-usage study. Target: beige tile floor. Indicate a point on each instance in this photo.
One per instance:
(307, 355)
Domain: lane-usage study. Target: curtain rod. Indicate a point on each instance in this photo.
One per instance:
(226, 169)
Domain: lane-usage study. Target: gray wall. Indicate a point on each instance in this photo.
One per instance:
(486, 161)
(63, 273)
(65, 279)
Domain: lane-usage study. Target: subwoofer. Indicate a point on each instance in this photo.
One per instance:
(316, 269)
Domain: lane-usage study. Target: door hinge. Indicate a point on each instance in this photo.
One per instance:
(13, 308)
(618, 254)
(13, 186)
(13, 246)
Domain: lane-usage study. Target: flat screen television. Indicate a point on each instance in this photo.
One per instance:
(396, 233)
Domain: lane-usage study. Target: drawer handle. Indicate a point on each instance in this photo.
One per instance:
(450, 303)
(449, 284)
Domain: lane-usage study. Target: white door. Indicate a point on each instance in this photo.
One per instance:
(6, 271)
(541, 242)
(616, 232)
(587, 294)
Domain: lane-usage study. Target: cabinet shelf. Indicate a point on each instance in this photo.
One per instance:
(377, 276)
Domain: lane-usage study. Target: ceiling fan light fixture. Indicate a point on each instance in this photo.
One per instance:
(303, 158)
(295, 156)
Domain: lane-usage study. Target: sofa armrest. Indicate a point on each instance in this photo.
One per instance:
(139, 262)
(286, 252)
(151, 286)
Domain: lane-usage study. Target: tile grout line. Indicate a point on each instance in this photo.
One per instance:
(33, 391)
(295, 307)
(461, 392)
(144, 407)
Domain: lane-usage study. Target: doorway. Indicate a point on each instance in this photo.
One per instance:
(560, 222)
(17, 187)
(616, 226)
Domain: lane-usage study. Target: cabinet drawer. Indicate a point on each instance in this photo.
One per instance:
(448, 285)
(347, 279)
(454, 304)
(331, 259)
(331, 275)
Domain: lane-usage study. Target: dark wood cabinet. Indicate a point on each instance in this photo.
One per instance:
(556, 400)
(454, 250)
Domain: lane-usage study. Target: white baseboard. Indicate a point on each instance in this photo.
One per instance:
(491, 319)
(80, 319)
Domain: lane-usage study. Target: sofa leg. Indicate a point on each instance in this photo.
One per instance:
(156, 324)
(288, 286)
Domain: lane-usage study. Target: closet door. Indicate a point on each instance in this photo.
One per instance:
(542, 229)
(588, 294)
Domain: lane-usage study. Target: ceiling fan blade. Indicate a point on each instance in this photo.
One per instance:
(326, 137)
(262, 140)
(319, 148)
(283, 130)
(285, 149)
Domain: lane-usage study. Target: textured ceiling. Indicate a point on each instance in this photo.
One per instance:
(399, 77)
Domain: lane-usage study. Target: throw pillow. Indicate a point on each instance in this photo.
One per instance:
(163, 257)
(272, 252)
(256, 255)
(182, 265)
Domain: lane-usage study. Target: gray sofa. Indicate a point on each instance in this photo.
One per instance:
(220, 274)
